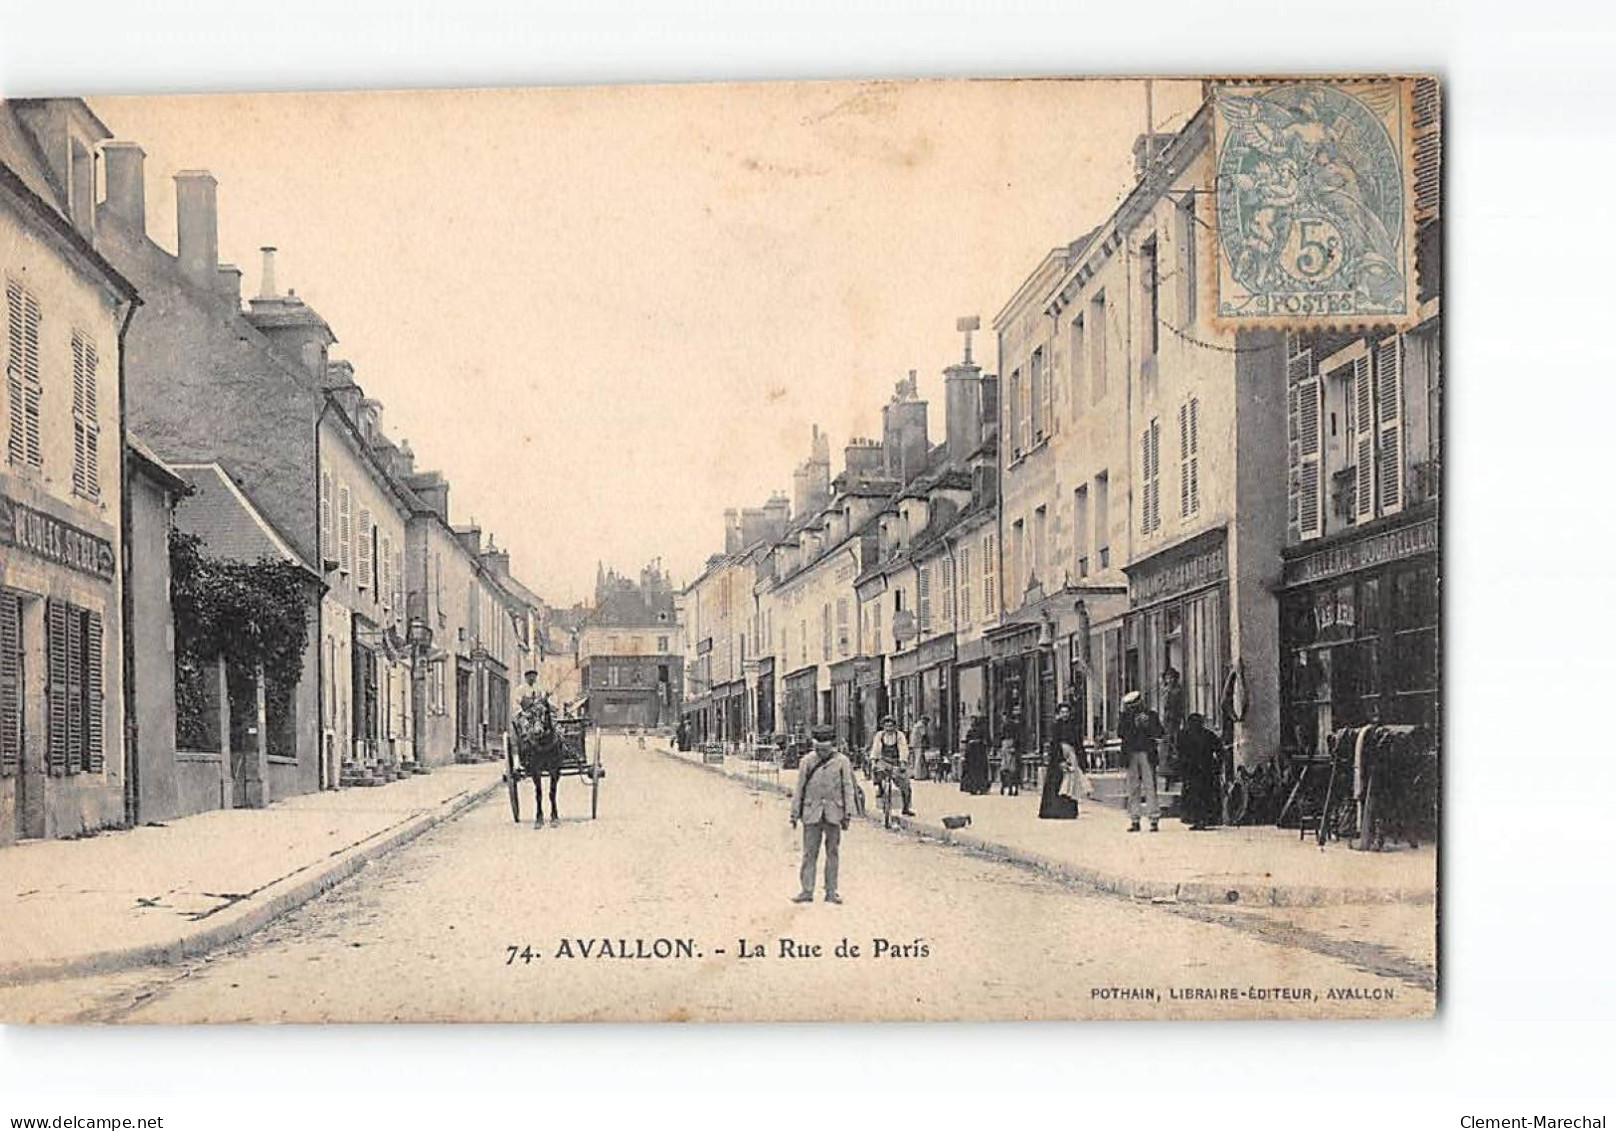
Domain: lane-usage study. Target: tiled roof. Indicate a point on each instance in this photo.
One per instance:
(19, 154)
(226, 521)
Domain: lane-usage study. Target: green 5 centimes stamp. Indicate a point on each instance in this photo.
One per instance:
(1313, 195)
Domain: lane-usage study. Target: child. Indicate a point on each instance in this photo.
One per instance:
(1009, 768)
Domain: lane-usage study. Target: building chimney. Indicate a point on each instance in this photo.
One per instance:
(196, 199)
(126, 184)
(471, 537)
(962, 384)
(230, 284)
(904, 433)
(732, 531)
(432, 489)
(266, 283)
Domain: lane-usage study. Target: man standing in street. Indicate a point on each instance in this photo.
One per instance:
(1170, 702)
(889, 754)
(823, 802)
(917, 748)
(1140, 730)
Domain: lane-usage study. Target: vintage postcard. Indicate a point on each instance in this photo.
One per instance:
(949, 550)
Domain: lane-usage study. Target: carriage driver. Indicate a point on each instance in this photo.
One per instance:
(530, 689)
(889, 754)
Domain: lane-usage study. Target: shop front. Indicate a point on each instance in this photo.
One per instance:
(801, 700)
(1023, 686)
(1178, 620)
(730, 703)
(935, 659)
(698, 718)
(765, 696)
(1359, 633)
(843, 698)
(903, 687)
(61, 701)
(869, 691)
(970, 684)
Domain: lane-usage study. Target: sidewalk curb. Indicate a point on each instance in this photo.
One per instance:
(253, 914)
(1232, 893)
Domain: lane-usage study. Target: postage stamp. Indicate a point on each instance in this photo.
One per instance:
(1314, 202)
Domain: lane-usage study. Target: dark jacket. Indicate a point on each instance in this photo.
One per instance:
(1139, 731)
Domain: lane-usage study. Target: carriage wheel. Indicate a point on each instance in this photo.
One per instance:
(594, 779)
(511, 782)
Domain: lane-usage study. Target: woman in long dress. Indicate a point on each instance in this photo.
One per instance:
(1058, 804)
(975, 775)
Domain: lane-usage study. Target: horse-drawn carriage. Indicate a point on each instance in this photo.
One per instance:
(540, 746)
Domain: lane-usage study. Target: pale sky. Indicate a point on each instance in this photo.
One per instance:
(609, 313)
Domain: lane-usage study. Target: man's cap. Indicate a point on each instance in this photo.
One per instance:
(530, 672)
(824, 734)
(1131, 698)
(889, 721)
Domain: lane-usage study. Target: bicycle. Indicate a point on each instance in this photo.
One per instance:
(883, 792)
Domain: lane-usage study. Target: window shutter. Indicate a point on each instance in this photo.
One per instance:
(965, 585)
(344, 529)
(1195, 455)
(86, 442)
(56, 689)
(80, 485)
(1184, 460)
(366, 558)
(75, 690)
(32, 390)
(1363, 442)
(1150, 462)
(10, 683)
(325, 518)
(384, 567)
(14, 355)
(1144, 481)
(1389, 395)
(1155, 473)
(22, 374)
(990, 574)
(947, 569)
(1310, 502)
(1298, 369)
(923, 597)
(94, 706)
(398, 584)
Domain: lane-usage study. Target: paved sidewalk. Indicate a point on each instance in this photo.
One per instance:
(158, 893)
(1258, 865)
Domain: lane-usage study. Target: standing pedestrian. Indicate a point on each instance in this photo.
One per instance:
(823, 802)
(1200, 759)
(1059, 800)
(1140, 730)
(917, 749)
(975, 776)
(1170, 703)
(1009, 767)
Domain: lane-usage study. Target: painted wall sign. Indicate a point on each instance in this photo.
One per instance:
(1419, 538)
(1169, 580)
(56, 541)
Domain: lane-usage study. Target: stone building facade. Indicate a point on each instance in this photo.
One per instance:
(62, 550)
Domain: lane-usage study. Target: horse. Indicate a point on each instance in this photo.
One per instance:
(540, 754)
